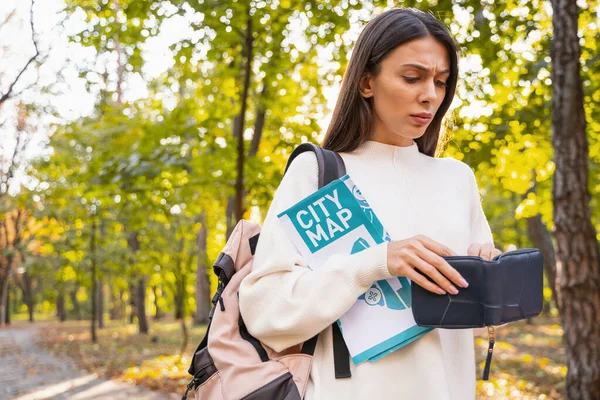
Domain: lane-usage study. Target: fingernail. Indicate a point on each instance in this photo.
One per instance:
(441, 291)
(463, 283)
(453, 290)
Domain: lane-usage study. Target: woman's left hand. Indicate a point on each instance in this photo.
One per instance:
(487, 251)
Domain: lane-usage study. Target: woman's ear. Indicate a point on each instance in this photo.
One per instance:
(364, 86)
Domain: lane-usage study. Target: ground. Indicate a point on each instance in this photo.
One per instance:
(28, 371)
(528, 363)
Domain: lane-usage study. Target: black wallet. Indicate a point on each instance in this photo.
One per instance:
(508, 288)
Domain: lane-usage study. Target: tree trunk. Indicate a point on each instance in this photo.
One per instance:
(101, 287)
(114, 303)
(121, 310)
(27, 293)
(3, 299)
(230, 220)
(577, 247)
(186, 337)
(180, 282)
(141, 306)
(132, 302)
(229, 216)
(76, 308)
(94, 279)
(202, 281)
(100, 314)
(119, 51)
(178, 302)
(158, 313)
(259, 124)
(7, 311)
(540, 237)
(140, 292)
(14, 304)
(239, 183)
(60, 307)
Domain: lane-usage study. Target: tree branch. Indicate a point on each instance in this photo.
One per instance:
(13, 161)
(8, 94)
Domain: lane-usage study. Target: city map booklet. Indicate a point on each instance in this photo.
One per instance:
(338, 220)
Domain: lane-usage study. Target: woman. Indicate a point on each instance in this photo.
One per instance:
(399, 84)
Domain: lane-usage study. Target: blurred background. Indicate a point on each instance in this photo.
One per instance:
(135, 134)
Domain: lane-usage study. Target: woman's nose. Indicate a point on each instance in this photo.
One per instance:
(429, 93)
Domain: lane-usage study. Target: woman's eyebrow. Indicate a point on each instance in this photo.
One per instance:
(425, 69)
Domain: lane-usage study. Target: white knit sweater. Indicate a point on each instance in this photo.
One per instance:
(284, 303)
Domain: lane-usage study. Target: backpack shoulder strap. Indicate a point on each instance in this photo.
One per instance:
(331, 167)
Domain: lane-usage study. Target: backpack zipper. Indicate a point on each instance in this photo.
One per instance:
(194, 383)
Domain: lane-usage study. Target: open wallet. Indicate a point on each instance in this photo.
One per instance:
(508, 288)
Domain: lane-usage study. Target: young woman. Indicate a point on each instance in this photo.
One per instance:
(399, 84)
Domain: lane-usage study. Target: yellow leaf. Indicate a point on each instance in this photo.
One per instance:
(544, 361)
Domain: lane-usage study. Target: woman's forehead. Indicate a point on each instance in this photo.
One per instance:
(426, 52)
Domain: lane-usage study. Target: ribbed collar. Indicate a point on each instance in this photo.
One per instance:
(399, 155)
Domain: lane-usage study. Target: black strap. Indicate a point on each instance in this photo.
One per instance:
(331, 167)
(309, 346)
(262, 353)
(341, 355)
(253, 242)
(488, 360)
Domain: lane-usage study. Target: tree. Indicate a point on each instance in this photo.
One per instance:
(578, 251)
(10, 90)
(12, 216)
(262, 76)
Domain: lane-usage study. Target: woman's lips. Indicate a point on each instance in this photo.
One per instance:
(420, 119)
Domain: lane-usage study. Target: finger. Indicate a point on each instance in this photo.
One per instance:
(495, 253)
(425, 283)
(474, 249)
(432, 272)
(436, 247)
(446, 270)
(486, 251)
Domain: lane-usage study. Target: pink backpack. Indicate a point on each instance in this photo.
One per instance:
(229, 363)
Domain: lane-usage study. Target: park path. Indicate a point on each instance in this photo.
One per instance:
(28, 372)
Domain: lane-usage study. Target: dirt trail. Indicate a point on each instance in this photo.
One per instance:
(28, 372)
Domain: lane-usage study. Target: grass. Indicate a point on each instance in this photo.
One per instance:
(150, 360)
(528, 363)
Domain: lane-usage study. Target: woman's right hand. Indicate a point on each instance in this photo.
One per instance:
(424, 254)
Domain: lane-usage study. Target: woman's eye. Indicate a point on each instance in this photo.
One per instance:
(410, 79)
(441, 83)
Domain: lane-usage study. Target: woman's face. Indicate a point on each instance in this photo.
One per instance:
(408, 90)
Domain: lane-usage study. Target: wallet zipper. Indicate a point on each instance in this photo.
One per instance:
(488, 360)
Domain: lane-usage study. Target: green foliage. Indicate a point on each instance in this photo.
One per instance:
(154, 165)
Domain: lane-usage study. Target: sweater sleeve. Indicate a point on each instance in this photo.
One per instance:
(480, 228)
(283, 303)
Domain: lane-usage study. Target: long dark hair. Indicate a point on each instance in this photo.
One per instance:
(352, 117)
